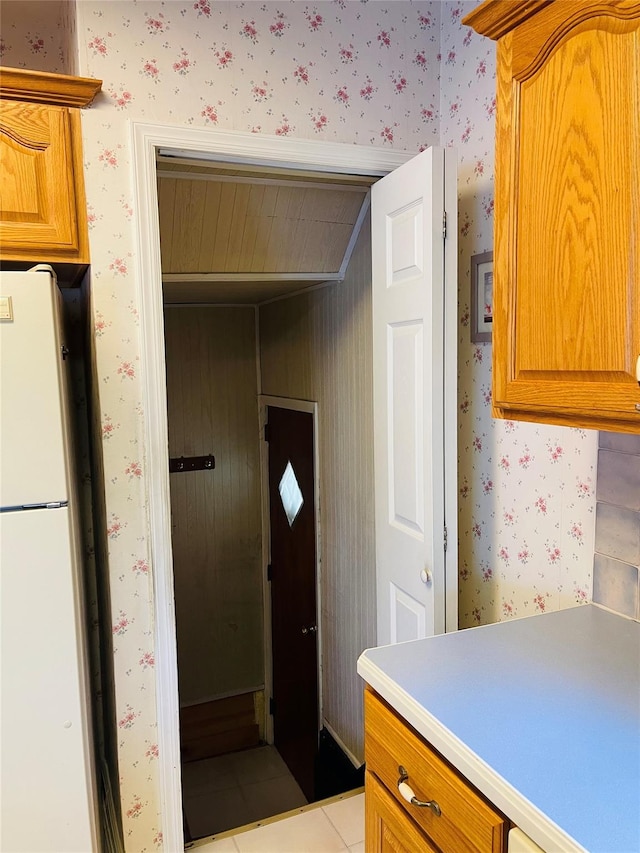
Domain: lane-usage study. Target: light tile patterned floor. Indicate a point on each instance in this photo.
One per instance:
(229, 791)
(335, 827)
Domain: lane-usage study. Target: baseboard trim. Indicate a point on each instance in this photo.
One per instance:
(336, 771)
(214, 698)
(352, 758)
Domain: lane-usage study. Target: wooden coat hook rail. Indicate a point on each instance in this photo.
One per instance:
(180, 464)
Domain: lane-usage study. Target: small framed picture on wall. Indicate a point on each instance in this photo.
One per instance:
(481, 297)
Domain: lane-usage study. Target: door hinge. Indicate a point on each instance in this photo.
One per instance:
(269, 572)
(266, 432)
(446, 537)
(444, 225)
(272, 706)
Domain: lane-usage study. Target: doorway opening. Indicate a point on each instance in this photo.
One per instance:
(247, 593)
(315, 156)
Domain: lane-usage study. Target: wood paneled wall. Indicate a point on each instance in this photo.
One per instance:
(257, 228)
(215, 515)
(318, 346)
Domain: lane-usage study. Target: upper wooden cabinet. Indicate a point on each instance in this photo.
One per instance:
(42, 201)
(567, 211)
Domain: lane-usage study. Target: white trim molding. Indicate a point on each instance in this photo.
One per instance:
(226, 277)
(451, 392)
(147, 141)
(276, 151)
(352, 758)
(154, 392)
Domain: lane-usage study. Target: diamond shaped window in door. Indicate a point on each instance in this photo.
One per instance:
(290, 494)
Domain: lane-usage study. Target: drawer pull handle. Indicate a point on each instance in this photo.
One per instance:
(407, 794)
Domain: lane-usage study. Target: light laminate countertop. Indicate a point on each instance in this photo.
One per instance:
(542, 714)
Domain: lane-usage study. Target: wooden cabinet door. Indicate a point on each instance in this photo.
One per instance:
(567, 251)
(40, 183)
(387, 828)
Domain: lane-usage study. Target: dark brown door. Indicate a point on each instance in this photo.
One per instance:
(293, 592)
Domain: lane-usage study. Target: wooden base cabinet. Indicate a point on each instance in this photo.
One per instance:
(42, 202)
(566, 328)
(447, 814)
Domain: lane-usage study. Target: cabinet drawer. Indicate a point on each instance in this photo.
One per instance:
(388, 829)
(466, 822)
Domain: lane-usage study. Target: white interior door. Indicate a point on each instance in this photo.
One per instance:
(407, 215)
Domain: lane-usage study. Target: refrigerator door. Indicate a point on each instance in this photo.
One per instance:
(33, 454)
(46, 774)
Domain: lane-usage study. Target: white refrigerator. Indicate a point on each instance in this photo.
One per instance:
(47, 778)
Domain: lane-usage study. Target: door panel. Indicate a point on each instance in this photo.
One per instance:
(408, 616)
(293, 591)
(407, 208)
(406, 356)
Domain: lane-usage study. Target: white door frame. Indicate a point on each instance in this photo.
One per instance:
(146, 140)
(265, 400)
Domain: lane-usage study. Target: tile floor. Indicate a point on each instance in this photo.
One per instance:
(229, 791)
(334, 826)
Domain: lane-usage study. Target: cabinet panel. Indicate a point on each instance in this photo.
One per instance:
(466, 822)
(387, 827)
(574, 315)
(566, 261)
(577, 176)
(42, 201)
(37, 181)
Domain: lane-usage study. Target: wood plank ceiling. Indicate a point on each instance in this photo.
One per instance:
(234, 235)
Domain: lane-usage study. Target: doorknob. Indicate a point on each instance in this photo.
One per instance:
(426, 576)
(310, 630)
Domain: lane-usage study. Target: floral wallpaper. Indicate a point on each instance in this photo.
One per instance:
(526, 491)
(39, 35)
(399, 74)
